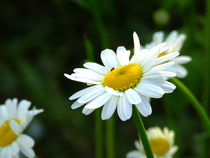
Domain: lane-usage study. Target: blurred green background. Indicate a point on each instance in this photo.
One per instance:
(42, 40)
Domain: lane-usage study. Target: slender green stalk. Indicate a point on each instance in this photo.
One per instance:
(110, 137)
(98, 122)
(198, 107)
(206, 90)
(142, 133)
(206, 85)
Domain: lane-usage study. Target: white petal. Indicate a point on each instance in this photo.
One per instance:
(29, 152)
(177, 44)
(26, 140)
(123, 55)
(158, 37)
(91, 95)
(149, 90)
(12, 108)
(23, 109)
(15, 127)
(149, 60)
(124, 109)
(165, 85)
(87, 74)
(113, 92)
(109, 108)
(76, 105)
(171, 37)
(132, 96)
(72, 77)
(3, 113)
(166, 58)
(160, 67)
(98, 102)
(135, 154)
(15, 148)
(136, 43)
(180, 71)
(144, 107)
(182, 59)
(109, 59)
(84, 91)
(87, 111)
(96, 68)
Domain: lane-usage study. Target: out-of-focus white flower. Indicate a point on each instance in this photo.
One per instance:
(175, 42)
(122, 81)
(161, 143)
(14, 118)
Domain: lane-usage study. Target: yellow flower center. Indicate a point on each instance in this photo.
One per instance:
(7, 136)
(159, 146)
(123, 77)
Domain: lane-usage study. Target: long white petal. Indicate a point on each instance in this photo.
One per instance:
(84, 91)
(81, 79)
(150, 90)
(144, 107)
(136, 43)
(124, 109)
(26, 140)
(166, 58)
(96, 68)
(109, 59)
(182, 59)
(98, 102)
(87, 111)
(132, 96)
(109, 108)
(90, 96)
(123, 55)
(76, 105)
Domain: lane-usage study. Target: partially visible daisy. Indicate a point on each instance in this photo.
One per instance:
(14, 118)
(123, 82)
(175, 42)
(161, 143)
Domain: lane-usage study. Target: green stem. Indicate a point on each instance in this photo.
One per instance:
(140, 126)
(207, 57)
(99, 134)
(110, 137)
(198, 107)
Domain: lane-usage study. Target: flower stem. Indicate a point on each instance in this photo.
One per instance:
(110, 137)
(198, 107)
(206, 87)
(140, 126)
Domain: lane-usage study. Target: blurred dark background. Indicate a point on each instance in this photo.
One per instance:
(42, 40)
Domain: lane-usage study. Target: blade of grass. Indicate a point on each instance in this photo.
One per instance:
(195, 103)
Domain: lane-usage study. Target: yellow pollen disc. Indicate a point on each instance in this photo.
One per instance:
(123, 77)
(7, 136)
(159, 146)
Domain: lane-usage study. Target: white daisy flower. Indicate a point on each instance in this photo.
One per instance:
(175, 42)
(123, 82)
(14, 118)
(161, 143)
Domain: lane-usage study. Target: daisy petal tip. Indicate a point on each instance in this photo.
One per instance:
(67, 75)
